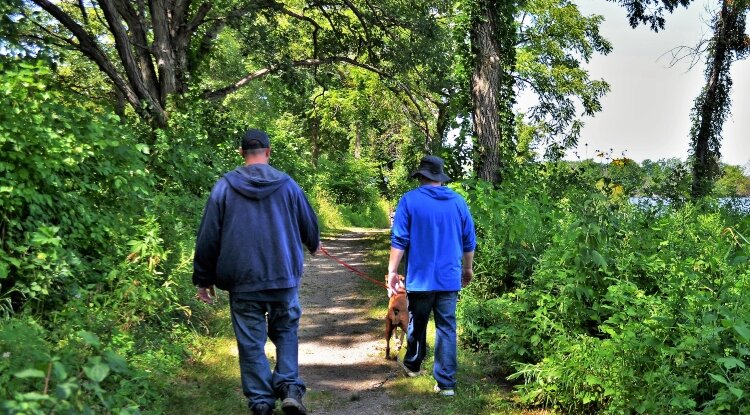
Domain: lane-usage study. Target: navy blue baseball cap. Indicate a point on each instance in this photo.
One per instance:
(254, 139)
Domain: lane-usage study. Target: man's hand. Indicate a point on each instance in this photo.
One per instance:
(466, 276)
(207, 294)
(395, 285)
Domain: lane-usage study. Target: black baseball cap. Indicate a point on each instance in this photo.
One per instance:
(254, 139)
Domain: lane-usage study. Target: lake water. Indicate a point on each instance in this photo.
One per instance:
(740, 204)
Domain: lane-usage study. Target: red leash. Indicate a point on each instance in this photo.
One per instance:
(354, 270)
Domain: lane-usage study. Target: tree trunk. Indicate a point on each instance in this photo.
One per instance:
(441, 127)
(160, 34)
(357, 141)
(314, 123)
(485, 89)
(493, 39)
(713, 104)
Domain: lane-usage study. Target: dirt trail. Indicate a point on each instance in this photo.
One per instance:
(341, 344)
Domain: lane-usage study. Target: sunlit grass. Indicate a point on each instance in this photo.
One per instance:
(209, 381)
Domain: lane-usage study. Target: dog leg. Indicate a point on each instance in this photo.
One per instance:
(400, 340)
(388, 332)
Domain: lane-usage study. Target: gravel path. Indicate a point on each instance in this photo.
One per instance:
(341, 344)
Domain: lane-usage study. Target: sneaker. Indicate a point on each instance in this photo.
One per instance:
(261, 409)
(291, 402)
(444, 392)
(410, 373)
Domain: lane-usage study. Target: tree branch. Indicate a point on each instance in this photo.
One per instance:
(88, 46)
(122, 44)
(206, 42)
(280, 7)
(138, 38)
(179, 16)
(223, 92)
(199, 18)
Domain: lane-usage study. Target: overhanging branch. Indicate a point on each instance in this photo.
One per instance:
(223, 92)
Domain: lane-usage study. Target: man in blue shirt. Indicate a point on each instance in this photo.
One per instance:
(250, 242)
(433, 224)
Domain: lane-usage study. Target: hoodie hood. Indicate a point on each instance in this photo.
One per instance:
(256, 181)
(438, 192)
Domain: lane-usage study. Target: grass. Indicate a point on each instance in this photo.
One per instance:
(209, 381)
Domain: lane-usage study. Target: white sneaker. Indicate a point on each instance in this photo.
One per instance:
(408, 371)
(444, 392)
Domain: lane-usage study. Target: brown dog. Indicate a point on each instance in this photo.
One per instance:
(398, 316)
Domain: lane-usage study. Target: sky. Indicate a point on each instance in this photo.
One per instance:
(646, 114)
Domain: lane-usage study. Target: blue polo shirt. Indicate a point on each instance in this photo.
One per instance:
(434, 225)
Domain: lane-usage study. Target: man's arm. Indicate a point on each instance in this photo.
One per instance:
(308, 224)
(394, 282)
(469, 241)
(207, 247)
(467, 268)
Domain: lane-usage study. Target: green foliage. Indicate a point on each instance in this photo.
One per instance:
(62, 169)
(81, 377)
(513, 227)
(555, 39)
(349, 181)
(733, 182)
(668, 178)
(333, 216)
(621, 309)
(367, 216)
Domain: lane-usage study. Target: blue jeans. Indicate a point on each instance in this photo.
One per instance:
(443, 305)
(253, 320)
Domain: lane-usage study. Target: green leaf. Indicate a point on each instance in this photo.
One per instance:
(143, 148)
(29, 373)
(116, 362)
(593, 380)
(64, 390)
(59, 370)
(90, 338)
(731, 362)
(96, 372)
(743, 331)
(720, 379)
(34, 396)
(736, 392)
(598, 259)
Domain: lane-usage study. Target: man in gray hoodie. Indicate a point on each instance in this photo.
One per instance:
(250, 242)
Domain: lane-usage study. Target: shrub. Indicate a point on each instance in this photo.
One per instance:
(622, 309)
(63, 169)
(79, 376)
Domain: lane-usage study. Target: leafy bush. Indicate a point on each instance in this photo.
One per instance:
(367, 216)
(621, 309)
(63, 169)
(349, 181)
(79, 377)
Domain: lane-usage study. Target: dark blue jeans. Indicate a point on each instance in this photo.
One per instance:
(253, 321)
(443, 305)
